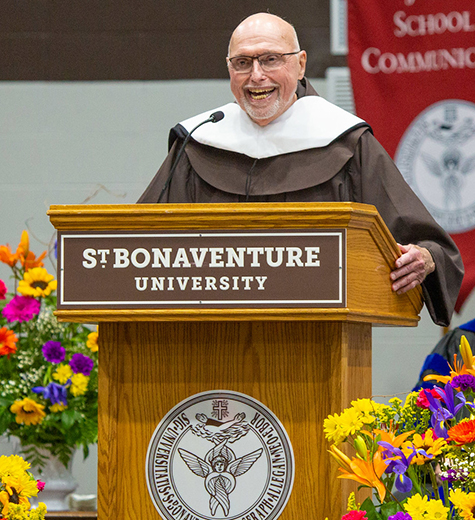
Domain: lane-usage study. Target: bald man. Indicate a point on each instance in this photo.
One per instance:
(281, 142)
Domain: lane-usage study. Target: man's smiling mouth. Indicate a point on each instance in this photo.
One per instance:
(260, 93)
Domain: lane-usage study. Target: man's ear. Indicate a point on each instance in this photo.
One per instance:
(302, 63)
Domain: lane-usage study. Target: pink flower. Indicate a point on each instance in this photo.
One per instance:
(3, 290)
(40, 485)
(422, 401)
(355, 515)
(21, 308)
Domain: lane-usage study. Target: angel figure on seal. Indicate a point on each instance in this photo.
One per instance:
(220, 468)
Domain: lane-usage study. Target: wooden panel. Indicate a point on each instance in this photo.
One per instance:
(87, 39)
(301, 371)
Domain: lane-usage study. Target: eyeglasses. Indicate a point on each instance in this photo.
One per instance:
(268, 62)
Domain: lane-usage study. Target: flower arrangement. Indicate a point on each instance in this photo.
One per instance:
(17, 485)
(48, 399)
(417, 457)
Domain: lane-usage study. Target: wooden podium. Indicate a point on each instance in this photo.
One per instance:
(301, 362)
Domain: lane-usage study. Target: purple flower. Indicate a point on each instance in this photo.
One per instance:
(398, 464)
(454, 475)
(464, 382)
(54, 392)
(21, 308)
(441, 414)
(54, 352)
(400, 516)
(81, 364)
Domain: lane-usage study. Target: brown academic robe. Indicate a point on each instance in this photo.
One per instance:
(353, 168)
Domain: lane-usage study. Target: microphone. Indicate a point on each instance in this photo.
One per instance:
(213, 118)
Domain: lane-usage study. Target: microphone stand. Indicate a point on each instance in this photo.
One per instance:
(213, 118)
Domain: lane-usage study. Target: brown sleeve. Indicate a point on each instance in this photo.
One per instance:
(379, 182)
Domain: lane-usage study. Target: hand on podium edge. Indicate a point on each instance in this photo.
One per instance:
(412, 267)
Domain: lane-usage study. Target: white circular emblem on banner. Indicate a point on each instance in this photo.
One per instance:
(220, 455)
(436, 156)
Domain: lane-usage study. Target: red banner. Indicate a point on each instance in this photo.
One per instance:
(412, 66)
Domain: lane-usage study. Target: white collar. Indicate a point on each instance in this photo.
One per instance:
(311, 122)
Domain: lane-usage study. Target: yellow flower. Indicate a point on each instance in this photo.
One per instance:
(28, 411)
(352, 505)
(367, 408)
(39, 512)
(416, 506)
(79, 384)
(14, 465)
(18, 511)
(466, 352)
(333, 429)
(92, 342)
(24, 485)
(436, 510)
(464, 502)
(430, 445)
(57, 407)
(62, 374)
(352, 421)
(5, 501)
(37, 282)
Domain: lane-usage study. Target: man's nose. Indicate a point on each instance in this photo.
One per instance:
(257, 72)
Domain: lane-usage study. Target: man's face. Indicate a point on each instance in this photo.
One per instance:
(264, 96)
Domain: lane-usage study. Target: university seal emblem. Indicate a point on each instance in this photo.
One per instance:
(436, 156)
(220, 455)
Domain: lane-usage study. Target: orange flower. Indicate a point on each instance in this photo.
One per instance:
(458, 369)
(7, 257)
(391, 437)
(27, 258)
(463, 432)
(366, 472)
(7, 342)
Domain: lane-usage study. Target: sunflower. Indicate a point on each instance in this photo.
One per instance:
(7, 342)
(23, 485)
(427, 443)
(37, 282)
(464, 502)
(463, 432)
(28, 411)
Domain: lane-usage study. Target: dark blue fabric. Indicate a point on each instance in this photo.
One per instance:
(470, 326)
(435, 363)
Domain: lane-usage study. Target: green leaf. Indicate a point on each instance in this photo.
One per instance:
(388, 509)
(69, 418)
(371, 512)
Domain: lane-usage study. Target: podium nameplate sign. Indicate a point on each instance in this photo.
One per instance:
(212, 269)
